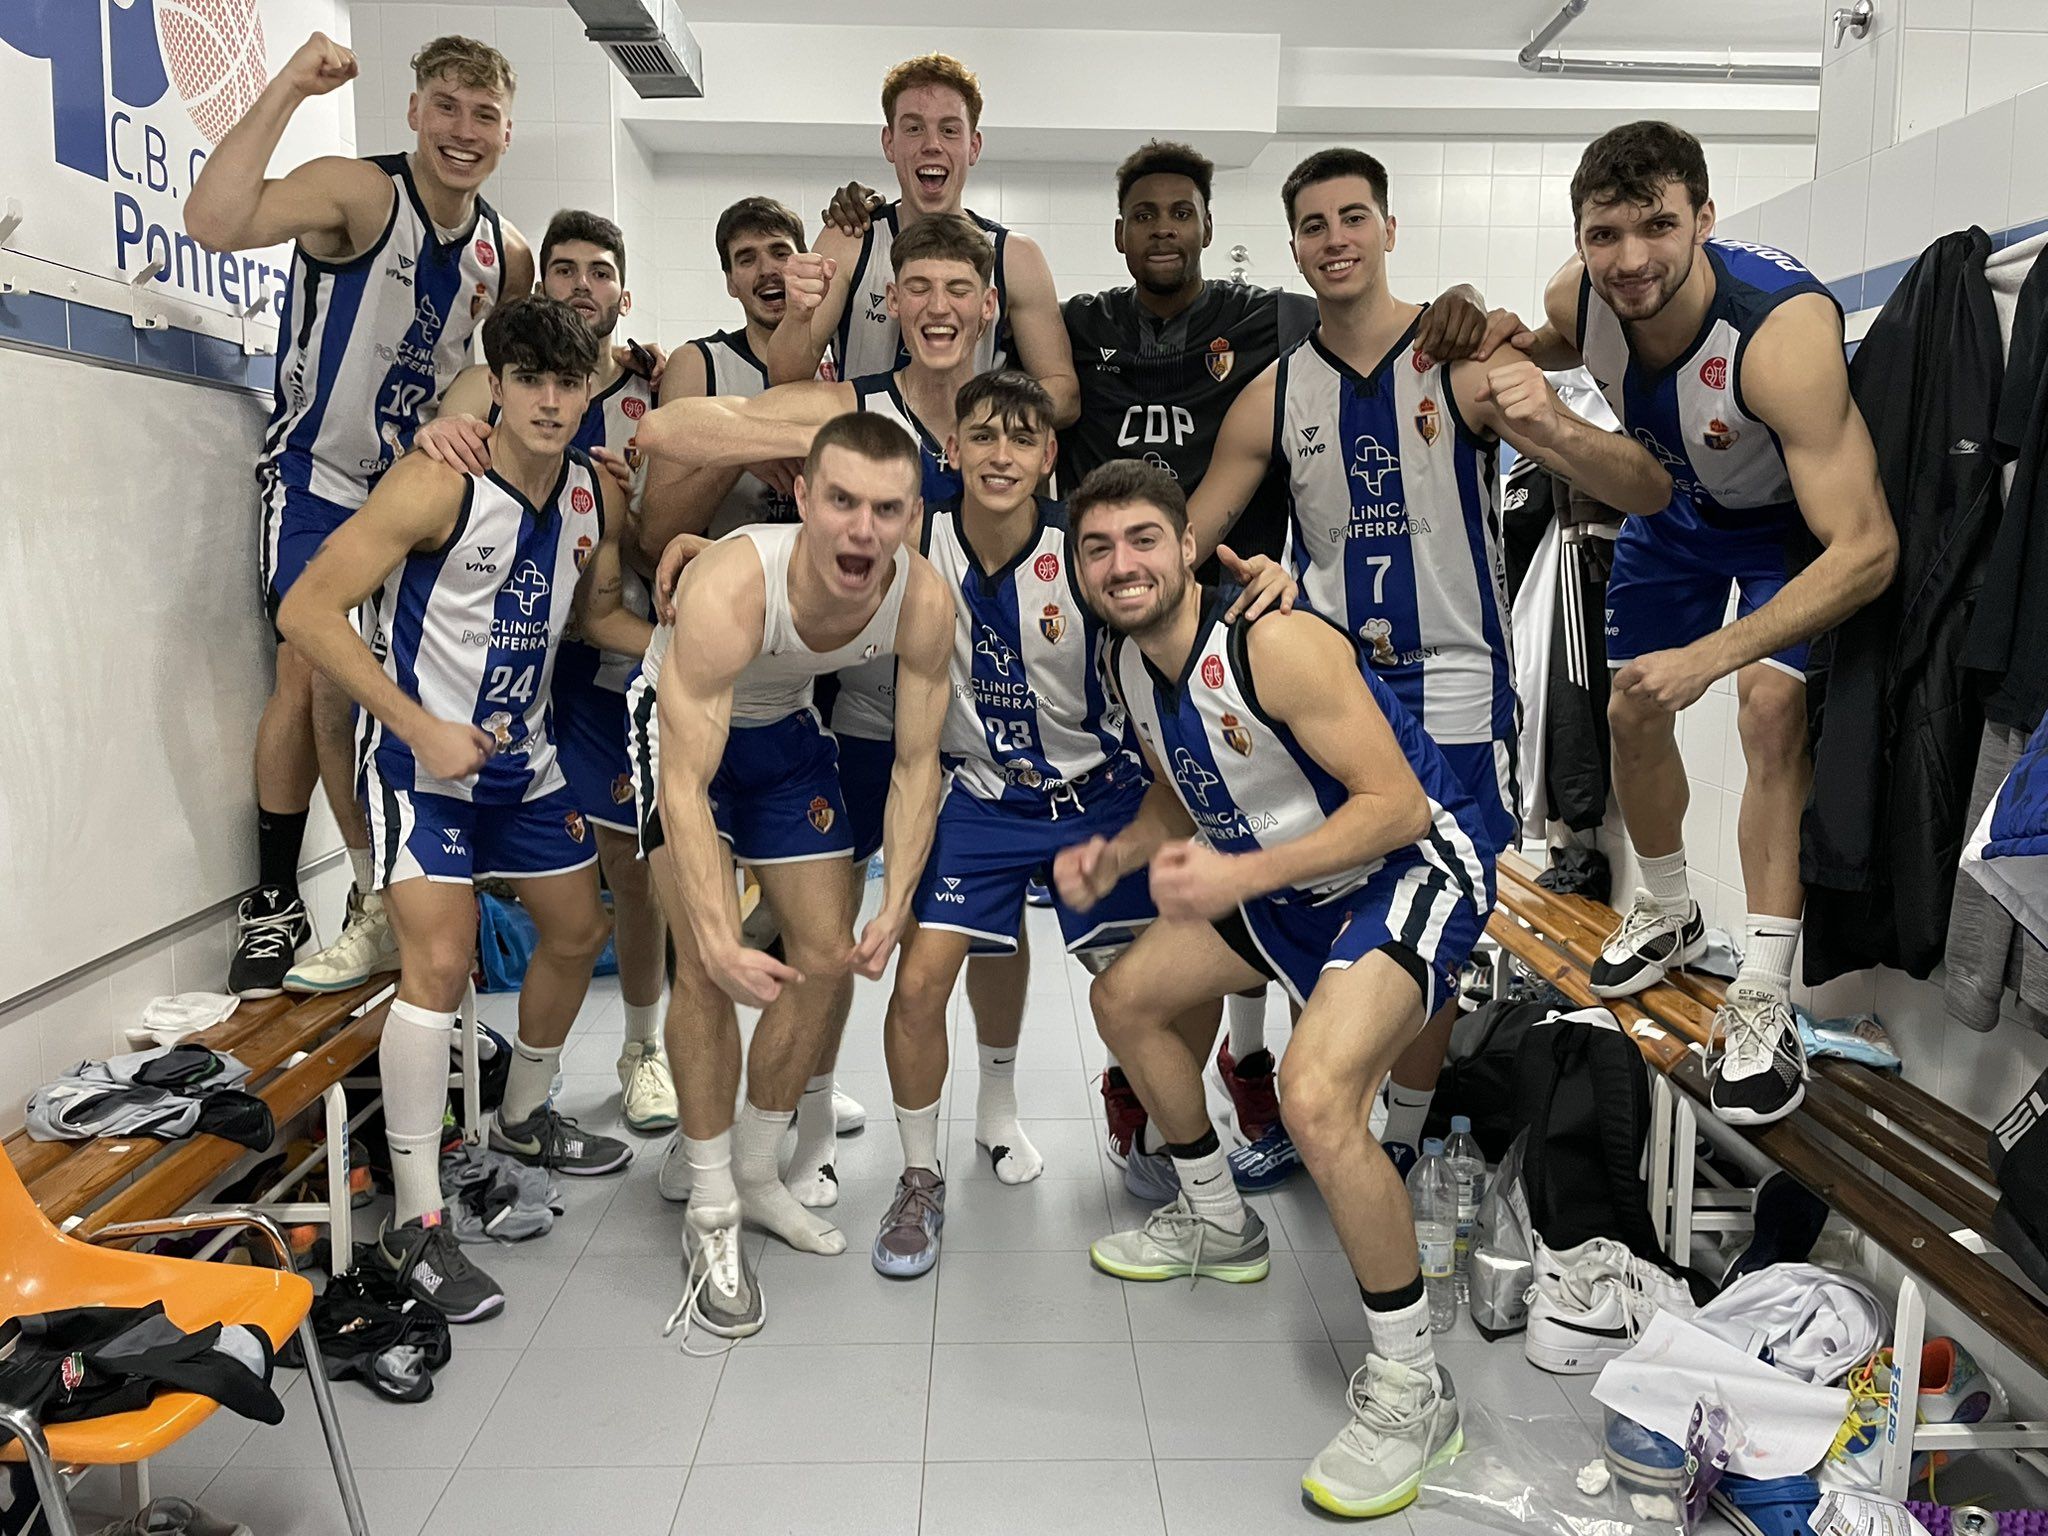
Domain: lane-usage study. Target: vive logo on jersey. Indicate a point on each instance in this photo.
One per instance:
(528, 587)
(878, 311)
(480, 562)
(1107, 353)
(951, 893)
(1194, 778)
(1372, 463)
(996, 649)
(1310, 447)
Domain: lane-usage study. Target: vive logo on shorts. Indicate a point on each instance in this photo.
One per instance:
(951, 893)
(451, 843)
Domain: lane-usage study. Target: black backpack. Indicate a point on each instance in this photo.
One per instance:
(1478, 1079)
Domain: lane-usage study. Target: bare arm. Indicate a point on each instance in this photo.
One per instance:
(599, 614)
(1243, 454)
(1509, 397)
(519, 274)
(460, 433)
(725, 430)
(816, 287)
(336, 205)
(1556, 344)
(1038, 329)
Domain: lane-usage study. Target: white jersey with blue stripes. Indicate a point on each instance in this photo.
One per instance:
(869, 338)
(1396, 531)
(474, 627)
(367, 344)
(610, 421)
(1028, 714)
(731, 368)
(1248, 784)
(1728, 472)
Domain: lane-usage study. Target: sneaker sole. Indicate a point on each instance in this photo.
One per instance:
(896, 1267)
(1570, 1362)
(1399, 1498)
(650, 1125)
(297, 983)
(483, 1311)
(1234, 1274)
(730, 1330)
(1650, 978)
(1739, 1116)
(251, 994)
(568, 1170)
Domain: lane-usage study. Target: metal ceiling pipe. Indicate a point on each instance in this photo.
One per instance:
(1533, 59)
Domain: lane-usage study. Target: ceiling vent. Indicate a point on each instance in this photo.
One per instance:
(648, 41)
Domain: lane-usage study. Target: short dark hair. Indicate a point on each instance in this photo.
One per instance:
(1163, 157)
(945, 237)
(869, 434)
(591, 228)
(1114, 482)
(541, 335)
(1630, 164)
(755, 216)
(1015, 399)
(1328, 165)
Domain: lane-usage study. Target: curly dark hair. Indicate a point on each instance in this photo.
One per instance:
(1630, 164)
(539, 335)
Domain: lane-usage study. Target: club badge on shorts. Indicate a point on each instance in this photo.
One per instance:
(820, 814)
(1236, 737)
(622, 789)
(1220, 358)
(573, 825)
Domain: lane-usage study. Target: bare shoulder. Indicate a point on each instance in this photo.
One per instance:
(1561, 299)
(1294, 656)
(1794, 363)
(686, 377)
(926, 626)
(721, 607)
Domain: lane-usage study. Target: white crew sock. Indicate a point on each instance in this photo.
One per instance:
(995, 1118)
(413, 1059)
(1407, 1108)
(812, 1178)
(359, 862)
(1212, 1193)
(643, 1024)
(1403, 1335)
(1767, 955)
(1247, 1025)
(1664, 878)
(919, 1129)
(528, 1080)
(713, 1196)
(757, 1143)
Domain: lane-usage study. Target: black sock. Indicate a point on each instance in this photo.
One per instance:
(279, 837)
(1201, 1146)
(1392, 1301)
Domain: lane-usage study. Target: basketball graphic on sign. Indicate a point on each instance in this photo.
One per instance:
(214, 52)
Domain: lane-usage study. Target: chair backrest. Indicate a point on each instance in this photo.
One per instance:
(29, 1245)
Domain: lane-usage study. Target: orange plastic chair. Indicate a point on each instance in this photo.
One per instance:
(43, 1270)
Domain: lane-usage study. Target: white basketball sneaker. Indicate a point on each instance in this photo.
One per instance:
(364, 948)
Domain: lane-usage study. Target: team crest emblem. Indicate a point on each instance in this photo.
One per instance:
(1052, 624)
(1212, 670)
(573, 824)
(1236, 737)
(622, 789)
(634, 407)
(486, 252)
(1719, 435)
(1379, 634)
(1427, 420)
(71, 1371)
(580, 499)
(1714, 373)
(479, 301)
(820, 814)
(581, 555)
(1046, 567)
(1220, 358)
(499, 724)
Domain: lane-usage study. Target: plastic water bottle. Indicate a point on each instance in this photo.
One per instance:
(1468, 1169)
(1433, 1196)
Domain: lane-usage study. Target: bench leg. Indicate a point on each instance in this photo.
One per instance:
(1684, 1162)
(1660, 1162)
(341, 1239)
(330, 1427)
(1901, 1412)
(472, 1071)
(56, 1499)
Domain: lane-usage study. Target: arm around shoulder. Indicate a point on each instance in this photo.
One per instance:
(1039, 329)
(1242, 456)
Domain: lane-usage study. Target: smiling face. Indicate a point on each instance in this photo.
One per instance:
(1341, 237)
(1133, 566)
(585, 277)
(1162, 230)
(541, 409)
(755, 259)
(464, 131)
(857, 512)
(931, 143)
(1638, 257)
(1002, 458)
(942, 307)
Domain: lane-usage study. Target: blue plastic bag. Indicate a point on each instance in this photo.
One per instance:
(505, 938)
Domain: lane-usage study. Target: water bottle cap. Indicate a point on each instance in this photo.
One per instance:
(1461, 1125)
(1433, 1146)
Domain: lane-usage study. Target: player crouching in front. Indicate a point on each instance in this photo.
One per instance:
(1301, 828)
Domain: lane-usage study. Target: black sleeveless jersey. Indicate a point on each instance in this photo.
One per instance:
(1158, 390)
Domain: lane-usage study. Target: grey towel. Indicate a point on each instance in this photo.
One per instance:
(1988, 953)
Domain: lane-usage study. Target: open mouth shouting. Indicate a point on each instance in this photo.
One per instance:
(855, 570)
(933, 179)
(770, 293)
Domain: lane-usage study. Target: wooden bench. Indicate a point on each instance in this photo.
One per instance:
(1855, 1119)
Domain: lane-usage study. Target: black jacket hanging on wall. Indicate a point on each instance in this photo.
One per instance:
(1896, 722)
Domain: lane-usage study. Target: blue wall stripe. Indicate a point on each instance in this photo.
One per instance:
(87, 331)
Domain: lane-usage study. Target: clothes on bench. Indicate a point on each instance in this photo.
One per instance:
(168, 1092)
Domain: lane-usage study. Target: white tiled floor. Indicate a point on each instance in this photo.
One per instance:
(1016, 1390)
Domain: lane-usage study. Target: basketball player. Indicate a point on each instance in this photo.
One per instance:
(931, 112)
(470, 580)
(727, 746)
(1389, 458)
(583, 265)
(1302, 828)
(396, 261)
(1725, 359)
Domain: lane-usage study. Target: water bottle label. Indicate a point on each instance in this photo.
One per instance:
(1468, 1212)
(1436, 1256)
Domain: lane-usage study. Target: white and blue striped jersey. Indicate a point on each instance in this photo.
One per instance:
(1396, 532)
(869, 339)
(366, 345)
(1028, 714)
(612, 418)
(474, 628)
(730, 368)
(1727, 471)
(1247, 783)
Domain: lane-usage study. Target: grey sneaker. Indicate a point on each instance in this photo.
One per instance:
(1402, 1424)
(721, 1293)
(1150, 1176)
(1175, 1241)
(428, 1262)
(173, 1516)
(675, 1177)
(549, 1140)
(908, 1243)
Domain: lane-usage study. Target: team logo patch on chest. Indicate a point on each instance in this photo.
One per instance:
(1046, 567)
(1719, 436)
(1052, 624)
(633, 407)
(581, 554)
(1714, 373)
(1212, 670)
(1220, 358)
(1379, 634)
(820, 815)
(1236, 737)
(1427, 420)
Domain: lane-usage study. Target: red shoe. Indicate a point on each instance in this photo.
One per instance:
(1251, 1089)
(1123, 1112)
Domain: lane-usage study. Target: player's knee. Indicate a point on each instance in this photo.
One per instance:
(918, 1004)
(294, 677)
(1323, 1109)
(1635, 724)
(815, 954)
(1772, 722)
(1120, 1009)
(437, 967)
(578, 940)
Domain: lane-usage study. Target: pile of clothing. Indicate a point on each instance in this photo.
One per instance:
(168, 1092)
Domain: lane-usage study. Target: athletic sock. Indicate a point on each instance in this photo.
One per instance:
(1664, 878)
(359, 863)
(1407, 1108)
(996, 1127)
(1399, 1324)
(1247, 1025)
(919, 1129)
(1205, 1179)
(279, 837)
(527, 1082)
(757, 1141)
(812, 1178)
(713, 1196)
(413, 1065)
(1767, 955)
(643, 1023)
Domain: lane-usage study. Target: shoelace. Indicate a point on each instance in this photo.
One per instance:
(1166, 1225)
(265, 938)
(649, 1065)
(1642, 917)
(911, 1207)
(360, 928)
(553, 1136)
(1864, 1395)
(1751, 1034)
(714, 1252)
(1369, 1412)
